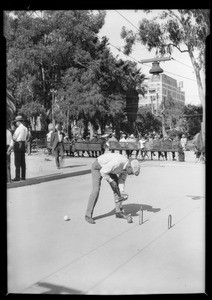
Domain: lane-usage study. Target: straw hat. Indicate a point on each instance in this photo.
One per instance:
(18, 119)
(135, 167)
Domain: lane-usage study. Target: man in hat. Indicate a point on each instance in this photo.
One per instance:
(114, 168)
(57, 146)
(19, 148)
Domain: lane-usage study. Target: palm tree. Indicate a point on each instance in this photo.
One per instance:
(11, 107)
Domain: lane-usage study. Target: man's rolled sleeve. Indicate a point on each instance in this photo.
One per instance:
(106, 176)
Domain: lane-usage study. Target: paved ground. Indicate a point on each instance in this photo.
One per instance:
(47, 255)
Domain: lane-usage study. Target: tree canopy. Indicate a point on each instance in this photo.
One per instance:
(60, 52)
(182, 29)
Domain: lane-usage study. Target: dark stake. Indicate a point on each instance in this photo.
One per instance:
(141, 216)
(169, 221)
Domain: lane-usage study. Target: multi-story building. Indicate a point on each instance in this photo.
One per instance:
(159, 88)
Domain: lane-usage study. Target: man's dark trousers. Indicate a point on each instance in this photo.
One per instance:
(20, 162)
(59, 152)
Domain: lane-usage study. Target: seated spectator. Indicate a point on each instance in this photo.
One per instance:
(130, 139)
(123, 141)
(158, 139)
(112, 138)
(142, 142)
(94, 140)
(66, 141)
(80, 139)
(87, 141)
(151, 140)
(165, 139)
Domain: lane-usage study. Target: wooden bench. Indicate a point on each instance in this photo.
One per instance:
(82, 146)
(154, 146)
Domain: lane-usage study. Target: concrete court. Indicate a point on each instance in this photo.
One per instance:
(48, 255)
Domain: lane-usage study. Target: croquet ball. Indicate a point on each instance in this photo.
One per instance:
(66, 218)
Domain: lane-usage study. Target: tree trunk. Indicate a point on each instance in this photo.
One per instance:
(91, 129)
(200, 90)
(163, 125)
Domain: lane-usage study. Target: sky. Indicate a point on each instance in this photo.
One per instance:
(179, 68)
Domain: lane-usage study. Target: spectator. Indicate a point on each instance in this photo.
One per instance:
(48, 140)
(87, 141)
(183, 141)
(48, 136)
(103, 143)
(57, 146)
(158, 139)
(151, 140)
(112, 138)
(19, 138)
(94, 140)
(29, 141)
(80, 140)
(131, 139)
(9, 150)
(66, 141)
(122, 141)
(166, 140)
(142, 142)
(181, 155)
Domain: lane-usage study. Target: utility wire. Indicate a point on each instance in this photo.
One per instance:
(173, 73)
(172, 57)
(118, 48)
(127, 20)
(124, 53)
(182, 63)
(150, 65)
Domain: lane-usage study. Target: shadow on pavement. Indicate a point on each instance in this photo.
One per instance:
(73, 166)
(131, 208)
(57, 289)
(196, 197)
(134, 208)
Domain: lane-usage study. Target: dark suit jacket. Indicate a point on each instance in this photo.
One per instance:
(55, 140)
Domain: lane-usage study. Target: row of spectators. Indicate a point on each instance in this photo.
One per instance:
(141, 140)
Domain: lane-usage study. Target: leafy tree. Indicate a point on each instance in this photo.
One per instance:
(169, 111)
(41, 48)
(31, 111)
(11, 108)
(191, 119)
(97, 91)
(60, 51)
(147, 122)
(183, 29)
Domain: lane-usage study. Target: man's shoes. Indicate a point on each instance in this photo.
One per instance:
(89, 220)
(122, 198)
(23, 178)
(120, 215)
(16, 179)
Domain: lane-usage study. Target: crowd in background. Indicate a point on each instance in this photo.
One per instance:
(142, 140)
(139, 139)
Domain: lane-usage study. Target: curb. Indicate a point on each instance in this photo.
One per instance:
(37, 180)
